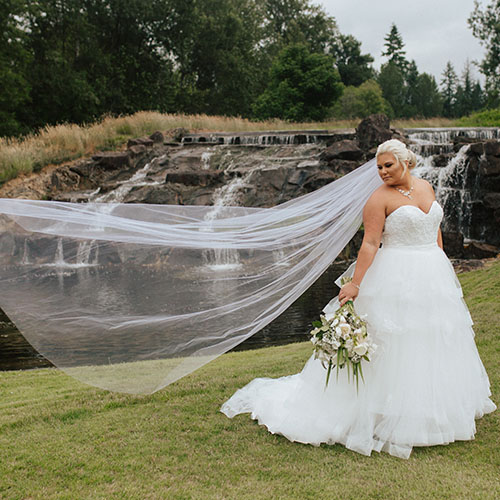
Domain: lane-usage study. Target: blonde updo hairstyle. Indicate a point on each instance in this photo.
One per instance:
(399, 150)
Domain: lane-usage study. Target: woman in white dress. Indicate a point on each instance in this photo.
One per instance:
(426, 384)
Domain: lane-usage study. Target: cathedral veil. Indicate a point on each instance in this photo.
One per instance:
(131, 297)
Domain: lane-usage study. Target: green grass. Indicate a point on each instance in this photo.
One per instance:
(61, 439)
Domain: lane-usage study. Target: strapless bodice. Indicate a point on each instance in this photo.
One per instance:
(408, 225)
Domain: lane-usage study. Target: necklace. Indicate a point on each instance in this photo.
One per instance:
(403, 192)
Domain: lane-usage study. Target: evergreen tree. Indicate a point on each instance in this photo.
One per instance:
(485, 25)
(427, 99)
(412, 97)
(392, 81)
(464, 104)
(449, 84)
(477, 97)
(394, 49)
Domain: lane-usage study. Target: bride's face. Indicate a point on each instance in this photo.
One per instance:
(389, 169)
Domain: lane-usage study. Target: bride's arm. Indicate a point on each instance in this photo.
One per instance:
(373, 222)
(440, 239)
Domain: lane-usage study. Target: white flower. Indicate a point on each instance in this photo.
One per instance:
(361, 349)
(335, 344)
(345, 330)
(335, 322)
(349, 344)
(315, 331)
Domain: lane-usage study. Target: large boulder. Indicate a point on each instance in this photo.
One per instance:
(373, 130)
(342, 150)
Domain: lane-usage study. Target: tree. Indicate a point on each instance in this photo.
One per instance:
(426, 97)
(449, 84)
(412, 98)
(485, 25)
(359, 102)
(303, 86)
(354, 67)
(394, 49)
(392, 82)
(464, 104)
(288, 22)
(14, 63)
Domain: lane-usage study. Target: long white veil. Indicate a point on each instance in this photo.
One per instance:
(131, 297)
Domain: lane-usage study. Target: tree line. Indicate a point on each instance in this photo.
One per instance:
(75, 60)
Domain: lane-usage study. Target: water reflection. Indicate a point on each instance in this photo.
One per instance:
(291, 326)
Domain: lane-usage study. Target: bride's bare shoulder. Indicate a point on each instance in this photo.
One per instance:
(378, 197)
(377, 201)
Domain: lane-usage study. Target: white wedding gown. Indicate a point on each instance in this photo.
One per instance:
(425, 384)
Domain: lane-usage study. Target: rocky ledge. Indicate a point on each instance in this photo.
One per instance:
(256, 169)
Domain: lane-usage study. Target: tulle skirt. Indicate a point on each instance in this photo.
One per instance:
(424, 386)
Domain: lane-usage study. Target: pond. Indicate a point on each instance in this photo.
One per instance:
(292, 325)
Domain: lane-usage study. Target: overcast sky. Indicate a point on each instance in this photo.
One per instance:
(433, 31)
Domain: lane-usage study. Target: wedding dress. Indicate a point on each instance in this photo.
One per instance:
(425, 384)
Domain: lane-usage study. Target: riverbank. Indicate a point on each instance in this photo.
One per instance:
(65, 142)
(61, 439)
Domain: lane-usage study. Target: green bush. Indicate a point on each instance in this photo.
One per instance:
(488, 118)
(358, 102)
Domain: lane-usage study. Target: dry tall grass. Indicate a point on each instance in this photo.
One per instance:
(56, 144)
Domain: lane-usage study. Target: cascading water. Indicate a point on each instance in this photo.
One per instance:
(223, 259)
(449, 172)
(140, 178)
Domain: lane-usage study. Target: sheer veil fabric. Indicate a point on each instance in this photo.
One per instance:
(131, 297)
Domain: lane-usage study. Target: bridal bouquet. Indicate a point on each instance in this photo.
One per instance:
(342, 341)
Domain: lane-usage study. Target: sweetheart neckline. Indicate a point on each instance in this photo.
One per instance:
(414, 206)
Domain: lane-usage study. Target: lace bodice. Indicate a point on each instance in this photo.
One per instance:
(408, 225)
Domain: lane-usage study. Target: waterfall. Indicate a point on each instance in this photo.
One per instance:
(222, 259)
(449, 184)
(118, 194)
(457, 179)
(87, 255)
(26, 256)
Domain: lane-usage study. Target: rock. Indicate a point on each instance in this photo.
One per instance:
(477, 250)
(441, 160)
(145, 141)
(342, 150)
(112, 160)
(157, 137)
(492, 148)
(156, 194)
(343, 166)
(319, 179)
(453, 244)
(373, 130)
(489, 165)
(466, 265)
(492, 200)
(194, 178)
(178, 133)
(476, 148)
(73, 196)
(61, 179)
(137, 149)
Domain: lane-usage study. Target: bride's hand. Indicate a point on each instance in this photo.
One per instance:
(347, 292)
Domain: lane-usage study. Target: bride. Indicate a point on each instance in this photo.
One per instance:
(426, 383)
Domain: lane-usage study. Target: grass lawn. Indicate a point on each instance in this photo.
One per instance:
(61, 439)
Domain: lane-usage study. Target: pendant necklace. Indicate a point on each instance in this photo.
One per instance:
(403, 192)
